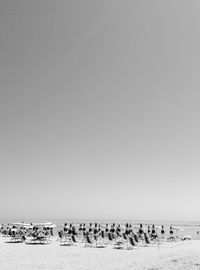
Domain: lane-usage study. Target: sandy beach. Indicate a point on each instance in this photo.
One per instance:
(179, 255)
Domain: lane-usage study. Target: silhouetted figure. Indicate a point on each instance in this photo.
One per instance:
(141, 231)
(162, 230)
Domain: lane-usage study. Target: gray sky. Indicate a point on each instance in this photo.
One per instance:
(99, 109)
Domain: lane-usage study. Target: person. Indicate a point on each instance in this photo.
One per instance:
(162, 230)
(73, 230)
(90, 228)
(41, 234)
(127, 229)
(99, 229)
(65, 228)
(153, 232)
(70, 229)
(84, 230)
(113, 230)
(130, 229)
(102, 233)
(171, 232)
(80, 227)
(46, 231)
(95, 229)
(118, 230)
(141, 231)
(2, 228)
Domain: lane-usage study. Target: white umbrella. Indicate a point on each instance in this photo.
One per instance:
(187, 237)
(45, 224)
(177, 228)
(138, 227)
(52, 226)
(21, 224)
(13, 229)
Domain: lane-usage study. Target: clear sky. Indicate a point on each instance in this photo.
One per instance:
(100, 109)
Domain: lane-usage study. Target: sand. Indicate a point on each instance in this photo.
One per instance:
(180, 255)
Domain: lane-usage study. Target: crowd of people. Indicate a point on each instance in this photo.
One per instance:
(116, 230)
(83, 232)
(113, 232)
(20, 232)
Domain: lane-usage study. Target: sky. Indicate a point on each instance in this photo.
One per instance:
(99, 109)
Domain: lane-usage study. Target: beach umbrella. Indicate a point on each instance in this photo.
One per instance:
(21, 224)
(41, 223)
(13, 229)
(187, 237)
(44, 224)
(138, 227)
(177, 228)
(52, 226)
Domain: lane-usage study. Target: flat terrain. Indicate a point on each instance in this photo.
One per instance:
(179, 255)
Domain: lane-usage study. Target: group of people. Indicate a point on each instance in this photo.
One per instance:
(26, 231)
(112, 231)
(95, 230)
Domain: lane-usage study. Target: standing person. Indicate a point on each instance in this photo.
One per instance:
(95, 232)
(171, 232)
(80, 228)
(65, 229)
(118, 230)
(95, 229)
(127, 229)
(84, 230)
(99, 229)
(90, 228)
(162, 233)
(73, 230)
(70, 229)
(112, 230)
(130, 229)
(162, 230)
(153, 232)
(141, 231)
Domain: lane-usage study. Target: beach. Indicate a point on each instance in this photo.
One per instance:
(177, 255)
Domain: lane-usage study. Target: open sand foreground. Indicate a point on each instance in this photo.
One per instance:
(179, 255)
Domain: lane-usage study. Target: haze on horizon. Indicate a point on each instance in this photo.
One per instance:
(99, 109)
